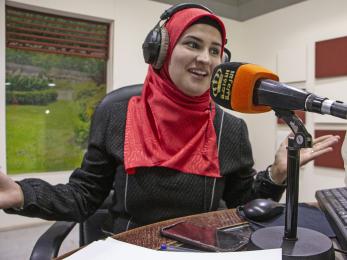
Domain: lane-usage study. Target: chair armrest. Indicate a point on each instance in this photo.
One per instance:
(48, 245)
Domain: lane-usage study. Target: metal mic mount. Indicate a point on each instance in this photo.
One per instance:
(296, 243)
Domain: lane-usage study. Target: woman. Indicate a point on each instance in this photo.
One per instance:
(169, 153)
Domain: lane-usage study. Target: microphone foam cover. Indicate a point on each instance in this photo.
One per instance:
(243, 88)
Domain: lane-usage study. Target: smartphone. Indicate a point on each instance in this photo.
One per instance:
(208, 238)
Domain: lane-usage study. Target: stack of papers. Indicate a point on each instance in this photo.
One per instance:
(114, 249)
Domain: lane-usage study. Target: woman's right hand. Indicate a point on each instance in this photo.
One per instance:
(11, 194)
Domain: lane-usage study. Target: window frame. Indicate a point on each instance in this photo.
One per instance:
(109, 81)
(3, 167)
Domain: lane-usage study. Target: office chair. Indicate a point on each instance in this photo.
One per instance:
(48, 245)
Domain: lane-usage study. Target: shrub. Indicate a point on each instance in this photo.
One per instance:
(37, 97)
(88, 95)
(81, 134)
(26, 83)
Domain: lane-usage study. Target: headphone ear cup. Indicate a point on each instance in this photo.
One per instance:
(151, 45)
(164, 45)
(226, 55)
(225, 58)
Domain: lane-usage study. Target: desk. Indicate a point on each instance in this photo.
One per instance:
(149, 236)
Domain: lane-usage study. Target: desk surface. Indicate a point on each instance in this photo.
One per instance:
(149, 236)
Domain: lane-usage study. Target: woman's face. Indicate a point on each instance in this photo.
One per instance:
(196, 54)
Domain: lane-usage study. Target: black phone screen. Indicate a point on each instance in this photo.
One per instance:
(207, 238)
(233, 238)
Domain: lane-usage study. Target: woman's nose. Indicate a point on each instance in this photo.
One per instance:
(203, 56)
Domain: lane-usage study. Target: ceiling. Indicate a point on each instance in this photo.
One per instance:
(240, 10)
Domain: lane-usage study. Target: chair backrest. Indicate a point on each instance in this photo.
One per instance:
(92, 228)
(124, 93)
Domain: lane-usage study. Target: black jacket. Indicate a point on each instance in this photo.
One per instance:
(152, 194)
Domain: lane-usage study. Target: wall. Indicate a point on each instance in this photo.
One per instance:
(301, 25)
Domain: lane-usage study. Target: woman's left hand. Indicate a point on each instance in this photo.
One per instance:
(321, 145)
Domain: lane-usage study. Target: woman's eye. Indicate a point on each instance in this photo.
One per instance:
(193, 45)
(215, 51)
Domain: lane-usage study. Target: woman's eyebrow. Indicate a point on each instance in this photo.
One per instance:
(192, 37)
(200, 40)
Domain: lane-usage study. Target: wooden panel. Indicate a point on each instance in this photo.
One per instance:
(331, 58)
(334, 158)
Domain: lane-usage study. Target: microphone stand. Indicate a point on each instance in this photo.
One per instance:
(296, 243)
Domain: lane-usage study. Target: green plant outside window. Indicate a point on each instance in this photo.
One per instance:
(50, 99)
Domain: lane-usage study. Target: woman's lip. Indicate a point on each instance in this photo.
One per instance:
(194, 72)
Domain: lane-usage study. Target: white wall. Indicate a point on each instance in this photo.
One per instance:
(299, 25)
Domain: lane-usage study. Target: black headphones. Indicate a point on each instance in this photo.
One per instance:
(157, 41)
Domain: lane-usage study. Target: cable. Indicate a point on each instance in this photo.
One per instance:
(340, 251)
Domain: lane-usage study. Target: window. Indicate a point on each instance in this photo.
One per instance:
(55, 76)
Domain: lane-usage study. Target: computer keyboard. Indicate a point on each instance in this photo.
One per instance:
(333, 202)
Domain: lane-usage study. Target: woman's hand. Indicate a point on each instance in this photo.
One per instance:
(321, 145)
(11, 195)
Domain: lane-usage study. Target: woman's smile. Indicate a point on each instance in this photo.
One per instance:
(198, 73)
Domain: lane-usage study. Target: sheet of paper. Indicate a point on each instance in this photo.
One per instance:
(114, 249)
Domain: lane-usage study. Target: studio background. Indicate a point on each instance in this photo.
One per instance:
(262, 40)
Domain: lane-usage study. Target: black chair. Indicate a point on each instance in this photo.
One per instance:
(48, 245)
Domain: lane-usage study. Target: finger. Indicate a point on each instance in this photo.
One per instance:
(325, 143)
(315, 154)
(323, 138)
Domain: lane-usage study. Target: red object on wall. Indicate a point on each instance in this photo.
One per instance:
(299, 113)
(331, 58)
(332, 159)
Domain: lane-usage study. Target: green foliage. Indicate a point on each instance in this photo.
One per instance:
(81, 132)
(42, 135)
(19, 82)
(37, 97)
(95, 68)
(88, 95)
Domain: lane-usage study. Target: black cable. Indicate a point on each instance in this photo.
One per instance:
(340, 251)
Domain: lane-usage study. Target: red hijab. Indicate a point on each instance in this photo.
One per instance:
(167, 128)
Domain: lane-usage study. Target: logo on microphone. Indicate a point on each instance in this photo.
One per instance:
(216, 82)
(221, 83)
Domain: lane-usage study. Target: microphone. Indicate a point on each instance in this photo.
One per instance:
(250, 88)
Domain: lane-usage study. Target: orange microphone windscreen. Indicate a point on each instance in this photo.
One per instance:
(243, 87)
(232, 86)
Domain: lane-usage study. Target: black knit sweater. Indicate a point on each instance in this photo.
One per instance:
(154, 193)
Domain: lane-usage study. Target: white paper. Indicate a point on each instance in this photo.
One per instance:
(114, 249)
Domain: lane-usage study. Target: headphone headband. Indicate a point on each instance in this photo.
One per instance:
(174, 9)
(157, 41)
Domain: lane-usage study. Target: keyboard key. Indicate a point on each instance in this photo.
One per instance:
(333, 202)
